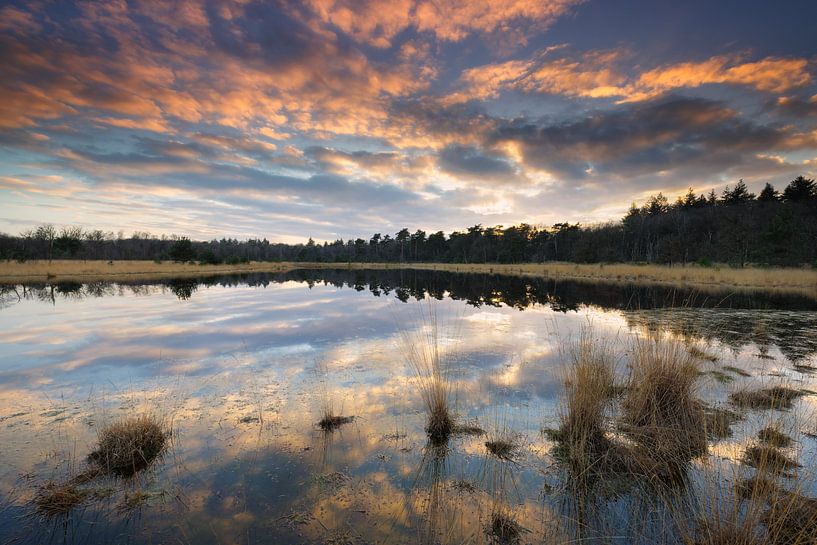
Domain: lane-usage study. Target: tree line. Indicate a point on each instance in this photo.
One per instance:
(736, 227)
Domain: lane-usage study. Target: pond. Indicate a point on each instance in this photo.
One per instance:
(241, 370)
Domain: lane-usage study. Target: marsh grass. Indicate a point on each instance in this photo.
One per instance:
(330, 420)
(54, 499)
(503, 529)
(502, 442)
(758, 511)
(737, 370)
(774, 397)
(662, 412)
(701, 354)
(760, 501)
(130, 445)
(769, 458)
(423, 353)
(772, 435)
(589, 392)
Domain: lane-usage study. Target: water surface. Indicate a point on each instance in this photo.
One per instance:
(242, 367)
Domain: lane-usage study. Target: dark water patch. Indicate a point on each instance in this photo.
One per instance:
(475, 289)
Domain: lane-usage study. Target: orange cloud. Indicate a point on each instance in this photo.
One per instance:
(377, 22)
(770, 75)
(599, 74)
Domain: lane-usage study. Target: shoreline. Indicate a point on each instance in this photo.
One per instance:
(789, 280)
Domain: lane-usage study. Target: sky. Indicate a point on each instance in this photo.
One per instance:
(342, 118)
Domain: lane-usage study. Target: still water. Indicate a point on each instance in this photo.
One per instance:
(242, 367)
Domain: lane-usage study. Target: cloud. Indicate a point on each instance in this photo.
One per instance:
(340, 117)
(378, 22)
(794, 106)
(648, 137)
(603, 74)
(475, 162)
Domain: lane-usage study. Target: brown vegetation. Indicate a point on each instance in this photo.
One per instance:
(331, 422)
(58, 499)
(775, 397)
(87, 271)
(422, 352)
(661, 411)
(130, 445)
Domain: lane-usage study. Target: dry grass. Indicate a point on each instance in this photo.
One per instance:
(775, 397)
(792, 520)
(130, 445)
(790, 280)
(590, 387)
(661, 411)
(503, 528)
(756, 511)
(423, 353)
(88, 271)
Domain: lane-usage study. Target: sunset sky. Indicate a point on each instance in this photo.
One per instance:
(344, 118)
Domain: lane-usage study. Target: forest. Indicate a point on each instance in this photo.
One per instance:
(736, 227)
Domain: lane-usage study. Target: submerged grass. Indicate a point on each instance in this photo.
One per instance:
(59, 499)
(503, 528)
(772, 435)
(775, 397)
(768, 458)
(718, 422)
(331, 422)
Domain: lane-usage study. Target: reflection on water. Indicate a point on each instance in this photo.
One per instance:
(243, 366)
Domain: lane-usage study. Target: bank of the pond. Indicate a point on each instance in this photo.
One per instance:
(795, 280)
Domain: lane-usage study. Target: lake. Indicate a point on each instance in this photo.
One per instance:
(242, 368)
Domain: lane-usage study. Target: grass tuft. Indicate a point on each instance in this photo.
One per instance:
(130, 445)
(700, 354)
(775, 397)
(590, 389)
(503, 529)
(768, 458)
(331, 422)
(504, 449)
(661, 411)
(58, 499)
(423, 353)
(771, 435)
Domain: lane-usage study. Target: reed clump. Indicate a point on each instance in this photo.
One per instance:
(792, 520)
(661, 411)
(424, 355)
(590, 390)
(503, 528)
(130, 445)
